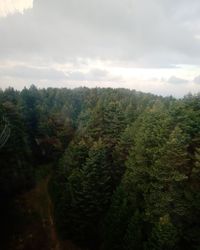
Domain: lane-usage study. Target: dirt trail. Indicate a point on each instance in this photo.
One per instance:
(37, 229)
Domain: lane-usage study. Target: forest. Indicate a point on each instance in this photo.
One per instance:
(124, 165)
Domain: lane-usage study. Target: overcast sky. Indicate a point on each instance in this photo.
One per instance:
(147, 45)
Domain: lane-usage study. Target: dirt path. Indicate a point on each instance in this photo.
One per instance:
(36, 229)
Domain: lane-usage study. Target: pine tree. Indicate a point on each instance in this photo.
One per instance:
(116, 221)
(163, 236)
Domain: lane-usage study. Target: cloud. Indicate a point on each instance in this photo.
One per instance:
(58, 39)
(13, 6)
(92, 75)
(197, 79)
(32, 73)
(177, 80)
(36, 73)
(144, 32)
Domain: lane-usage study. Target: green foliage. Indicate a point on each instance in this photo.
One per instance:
(163, 235)
(134, 237)
(116, 221)
(16, 170)
(126, 165)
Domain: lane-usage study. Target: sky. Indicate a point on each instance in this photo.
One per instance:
(147, 45)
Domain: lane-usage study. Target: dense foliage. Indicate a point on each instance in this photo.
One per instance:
(126, 165)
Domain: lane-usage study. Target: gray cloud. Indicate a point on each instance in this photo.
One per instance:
(33, 73)
(127, 34)
(92, 75)
(26, 72)
(146, 32)
(177, 80)
(197, 79)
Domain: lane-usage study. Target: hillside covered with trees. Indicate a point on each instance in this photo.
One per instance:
(125, 165)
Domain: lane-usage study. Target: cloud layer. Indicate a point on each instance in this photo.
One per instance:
(146, 32)
(92, 39)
